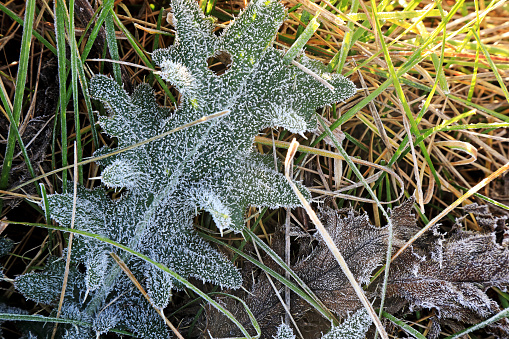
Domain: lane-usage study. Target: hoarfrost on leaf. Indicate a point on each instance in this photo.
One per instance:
(284, 332)
(449, 275)
(354, 327)
(210, 166)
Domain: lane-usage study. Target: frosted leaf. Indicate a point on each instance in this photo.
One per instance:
(106, 319)
(89, 216)
(159, 285)
(211, 203)
(132, 119)
(44, 287)
(354, 327)
(211, 166)
(189, 255)
(139, 317)
(180, 77)
(449, 275)
(288, 119)
(362, 245)
(284, 332)
(121, 174)
(97, 264)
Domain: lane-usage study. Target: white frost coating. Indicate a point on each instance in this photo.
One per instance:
(354, 327)
(178, 75)
(97, 265)
(211, 203)
(210, 166)
(121, 174)
(289, 119)
(284, 332)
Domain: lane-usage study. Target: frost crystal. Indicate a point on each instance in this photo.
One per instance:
(120, 174)
(284, 332)
(210, 166)
(354, 327)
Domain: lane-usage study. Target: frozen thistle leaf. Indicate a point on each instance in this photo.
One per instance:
(210, 166)
(44, 287)
(179, 76)
(354, 327)
(121, 174)
(160, 284)
(97, 265)
(288, 119)
(284, 332)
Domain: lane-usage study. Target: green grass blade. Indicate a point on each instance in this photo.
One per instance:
(211, 4)
(403, 325)
(477, 52)
(155, 45)
(301, 41)
(97, 27)
(442, 80)
(111, 40)
(60, 18)
(75, 63)
(21, 76)
(339, 59)
(492, 65)
(304, 18)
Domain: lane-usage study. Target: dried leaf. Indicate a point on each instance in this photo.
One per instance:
(450, 275)
(362, 245)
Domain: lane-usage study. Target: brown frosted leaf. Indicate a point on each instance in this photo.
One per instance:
(362, 245)
(450, 274)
